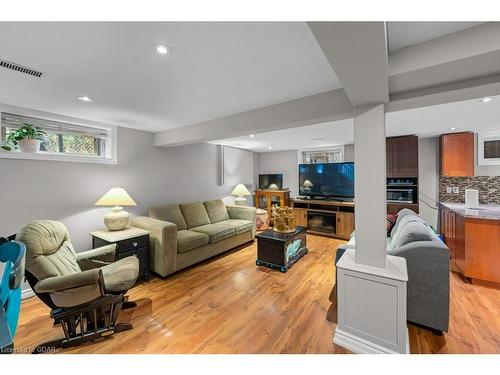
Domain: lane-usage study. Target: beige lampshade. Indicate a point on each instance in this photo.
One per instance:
(273, 187)
(116, 197)
(307, 184)
(240, 190)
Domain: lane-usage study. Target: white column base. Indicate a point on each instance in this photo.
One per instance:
(361, 346)
(371, 306)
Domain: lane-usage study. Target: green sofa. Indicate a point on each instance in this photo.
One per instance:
(187, 233)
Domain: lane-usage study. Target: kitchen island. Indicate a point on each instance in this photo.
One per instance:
(473, 237)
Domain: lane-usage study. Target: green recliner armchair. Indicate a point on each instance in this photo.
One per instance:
(85, 290)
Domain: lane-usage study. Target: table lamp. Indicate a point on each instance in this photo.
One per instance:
(273, 187)
(240, 191)
(307, 185)
(117, 218)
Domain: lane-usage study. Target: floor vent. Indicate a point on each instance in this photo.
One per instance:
(20, 68)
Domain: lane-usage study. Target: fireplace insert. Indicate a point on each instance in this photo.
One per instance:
(322, 221)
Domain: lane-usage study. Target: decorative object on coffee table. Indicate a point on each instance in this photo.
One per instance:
(284, 221)
(117, 219)
(281, 250)
(261, 219)
(129, 242)
(240, 191)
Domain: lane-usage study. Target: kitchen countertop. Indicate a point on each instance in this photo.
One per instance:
(489, 211)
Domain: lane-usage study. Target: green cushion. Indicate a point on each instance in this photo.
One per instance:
(216, 210)
(171, 213)
(216, 232)
(121, 275)
(49, 251)
(194, 214)
(240, 226)
(189, 240)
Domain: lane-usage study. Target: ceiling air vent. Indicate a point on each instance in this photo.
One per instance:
(20, 68)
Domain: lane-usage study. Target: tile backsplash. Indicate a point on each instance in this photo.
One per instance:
(489, 188)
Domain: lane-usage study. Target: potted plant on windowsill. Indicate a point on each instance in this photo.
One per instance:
(27, 138)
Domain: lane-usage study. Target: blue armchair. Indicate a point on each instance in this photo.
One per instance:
(12, 254)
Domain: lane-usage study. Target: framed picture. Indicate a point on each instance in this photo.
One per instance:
(488, 148)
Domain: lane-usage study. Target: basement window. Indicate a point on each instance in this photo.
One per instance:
(316, 156)
(63, 141)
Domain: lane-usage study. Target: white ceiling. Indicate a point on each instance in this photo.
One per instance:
(471, 115)
(216, 69)
(404, 34)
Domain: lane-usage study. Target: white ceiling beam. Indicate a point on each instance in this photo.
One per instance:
(463, 44)
(328, 106)
(357, 52)
(473, 89)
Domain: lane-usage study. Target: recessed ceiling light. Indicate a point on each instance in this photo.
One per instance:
(85, 99)
(453, 128)
(162, 49)
(252, 135)
(270, 147)
(317, 139)
(486, 100)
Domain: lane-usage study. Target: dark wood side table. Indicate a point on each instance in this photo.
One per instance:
(281, 250)
(129, 241)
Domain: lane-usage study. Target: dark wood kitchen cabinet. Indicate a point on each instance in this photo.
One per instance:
(457, 154)
(402, 156)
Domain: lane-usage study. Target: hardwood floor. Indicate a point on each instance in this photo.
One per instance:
(228, 305)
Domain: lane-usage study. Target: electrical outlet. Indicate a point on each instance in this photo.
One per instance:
(448, 189)
(455, 190)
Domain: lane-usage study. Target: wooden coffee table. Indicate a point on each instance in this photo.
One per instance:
(281, 250)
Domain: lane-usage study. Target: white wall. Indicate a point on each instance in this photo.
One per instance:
(66, 191)
(285, 162)
(238, 166)
(428, 172)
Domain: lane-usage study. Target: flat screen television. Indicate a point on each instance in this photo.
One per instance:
(266, 180)
(329, 180)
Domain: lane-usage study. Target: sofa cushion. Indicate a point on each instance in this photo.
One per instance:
(411, 232)
(171, 213)
(405, 216)
(216, 210)
(240, 226)
(194, 214)
(217, 231)
(188, 240)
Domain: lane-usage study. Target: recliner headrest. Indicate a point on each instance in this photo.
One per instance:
(43, 237)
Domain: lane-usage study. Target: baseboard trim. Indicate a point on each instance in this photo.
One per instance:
(27, 293)
(361, 346)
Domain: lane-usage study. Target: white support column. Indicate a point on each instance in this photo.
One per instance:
(371, 286)
(370, 185)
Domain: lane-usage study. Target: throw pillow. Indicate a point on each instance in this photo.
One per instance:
(391, 220)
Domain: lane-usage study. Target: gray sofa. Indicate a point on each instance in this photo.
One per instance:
(187, 233)
(427, 260)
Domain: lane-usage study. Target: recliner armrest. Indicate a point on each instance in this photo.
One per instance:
(74, 280)
(75, 289)
(97, 258)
